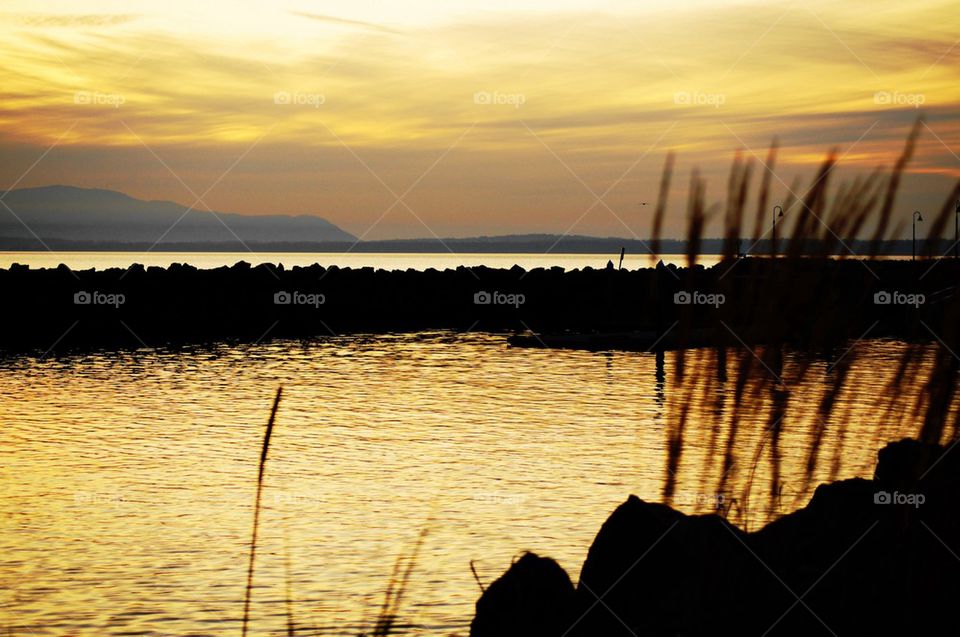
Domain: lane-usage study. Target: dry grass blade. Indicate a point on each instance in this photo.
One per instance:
(661, 204)
(795, 325)
(256, 509)
(396, 588)
(288, 589)
(893, 185)
(764, 197)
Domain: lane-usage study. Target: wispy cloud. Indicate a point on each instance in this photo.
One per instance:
(329, 19)
(595, 86)
(71, 20)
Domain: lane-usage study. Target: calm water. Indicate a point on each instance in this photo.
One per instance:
(128, 477)
(398, 261)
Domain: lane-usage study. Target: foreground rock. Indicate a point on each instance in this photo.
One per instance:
(864, 557)
(532, 599)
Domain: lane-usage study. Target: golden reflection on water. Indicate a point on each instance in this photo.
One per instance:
(128, 478)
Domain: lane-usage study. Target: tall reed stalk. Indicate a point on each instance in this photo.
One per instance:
(256, 508)
(794, 309)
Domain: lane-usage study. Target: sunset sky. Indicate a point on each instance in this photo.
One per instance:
(486, 117)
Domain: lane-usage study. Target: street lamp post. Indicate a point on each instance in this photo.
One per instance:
(916, 217)
(773, 241)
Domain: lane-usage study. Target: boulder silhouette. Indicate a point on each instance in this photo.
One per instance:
(864, 557)
(532, 599)
(655, 571)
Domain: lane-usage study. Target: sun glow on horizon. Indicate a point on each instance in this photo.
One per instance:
(494, 107)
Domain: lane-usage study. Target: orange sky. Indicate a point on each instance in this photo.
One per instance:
(479, 117)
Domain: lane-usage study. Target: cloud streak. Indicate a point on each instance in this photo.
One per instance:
(70, 20)
(333, 20)
(597, 89)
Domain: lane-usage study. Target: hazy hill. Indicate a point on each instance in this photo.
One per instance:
(69, 218)
(92, 214)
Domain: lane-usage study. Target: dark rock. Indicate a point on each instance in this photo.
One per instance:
(657, 570)
(864, 557)
(903, 463)
(532, 599)
(185, 304)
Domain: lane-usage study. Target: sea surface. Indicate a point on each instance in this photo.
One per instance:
(127, 478)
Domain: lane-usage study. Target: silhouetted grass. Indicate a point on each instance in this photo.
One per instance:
(760, 373)
(386, 622)
(288, 589)
(387, 619)
(256, 507)
(825, 218)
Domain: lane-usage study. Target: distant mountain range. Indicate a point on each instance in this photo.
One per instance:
(66, 218)
(67, 213)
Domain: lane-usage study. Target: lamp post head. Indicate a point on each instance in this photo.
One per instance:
(780, 209)
(917, 215)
